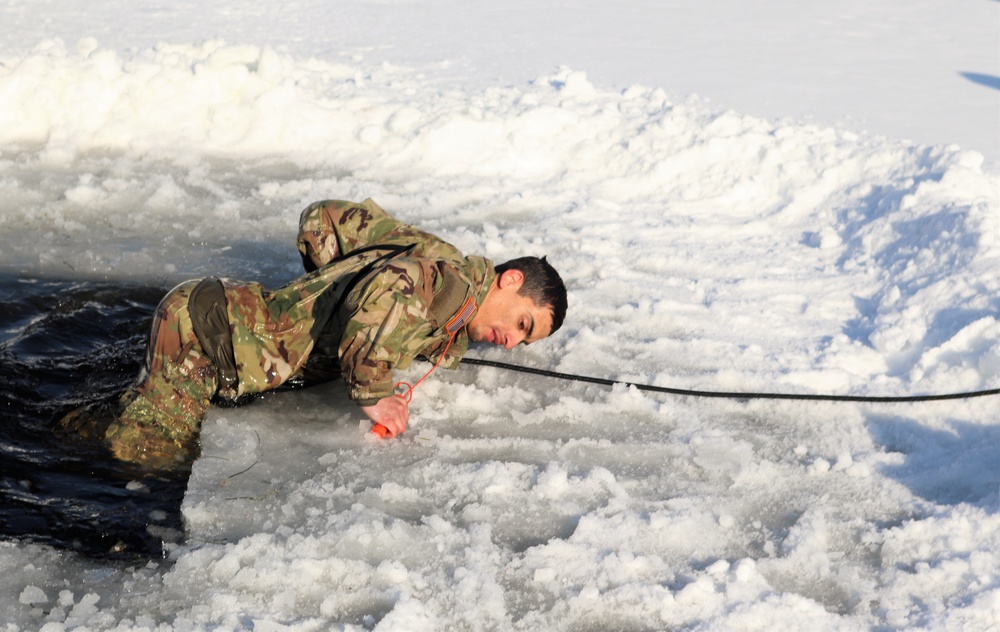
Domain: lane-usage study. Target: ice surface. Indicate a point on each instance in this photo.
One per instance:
(702, 248)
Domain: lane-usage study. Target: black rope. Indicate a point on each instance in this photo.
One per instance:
(730, 395)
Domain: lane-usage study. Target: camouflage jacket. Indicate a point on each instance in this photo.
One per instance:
(366, 309)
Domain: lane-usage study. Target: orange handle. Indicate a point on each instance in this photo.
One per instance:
(380, 431)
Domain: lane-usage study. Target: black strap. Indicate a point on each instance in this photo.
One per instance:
(394, 251)
(207, 307)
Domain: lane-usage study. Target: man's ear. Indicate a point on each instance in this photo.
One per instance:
(509, 277)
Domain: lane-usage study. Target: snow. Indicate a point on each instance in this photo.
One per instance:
(781, 232)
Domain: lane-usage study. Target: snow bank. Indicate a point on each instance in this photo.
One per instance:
(701, 248)
(169, 160)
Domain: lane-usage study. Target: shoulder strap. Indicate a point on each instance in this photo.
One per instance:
(391, 253)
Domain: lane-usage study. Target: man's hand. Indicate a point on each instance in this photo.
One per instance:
(391, 412)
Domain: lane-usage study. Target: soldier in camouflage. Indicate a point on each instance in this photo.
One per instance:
(377, 294)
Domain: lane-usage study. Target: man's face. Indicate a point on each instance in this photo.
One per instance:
(506, 318)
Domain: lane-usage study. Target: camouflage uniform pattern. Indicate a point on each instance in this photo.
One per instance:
(321, 324)
(334, 228)
(179, 382)
(385, 321)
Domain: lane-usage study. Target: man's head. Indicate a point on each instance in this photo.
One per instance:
(526, 303)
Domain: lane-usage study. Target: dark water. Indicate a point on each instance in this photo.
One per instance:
(63, 344)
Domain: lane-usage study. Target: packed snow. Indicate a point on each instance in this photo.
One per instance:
(703, 248)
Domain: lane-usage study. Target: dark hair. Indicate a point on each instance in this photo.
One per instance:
(542, 285)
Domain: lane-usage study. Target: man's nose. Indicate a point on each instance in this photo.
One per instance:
(511, 341)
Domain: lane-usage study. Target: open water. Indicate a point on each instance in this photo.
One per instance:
(65, 343)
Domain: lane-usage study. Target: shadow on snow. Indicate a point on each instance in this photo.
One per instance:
(946, 466)
(990, 81)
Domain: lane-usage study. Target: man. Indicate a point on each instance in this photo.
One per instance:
(377, 294)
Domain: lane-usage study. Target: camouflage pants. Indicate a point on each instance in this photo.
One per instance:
(161, 417)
